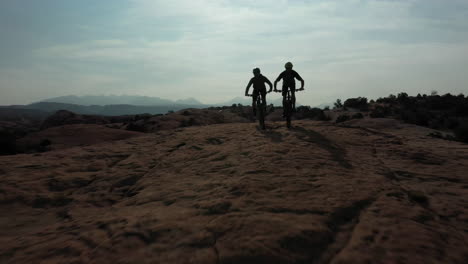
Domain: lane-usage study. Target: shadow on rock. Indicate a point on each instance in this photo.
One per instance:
(320, 140)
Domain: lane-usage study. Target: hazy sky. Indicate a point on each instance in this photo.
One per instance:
(207, 48)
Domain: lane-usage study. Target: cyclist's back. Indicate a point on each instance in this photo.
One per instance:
(289, 77)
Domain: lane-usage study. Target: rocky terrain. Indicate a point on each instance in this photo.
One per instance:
(67, 136)
(363, 191)
(24, 131)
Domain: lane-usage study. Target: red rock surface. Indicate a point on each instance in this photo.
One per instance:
(75, 135)
(185, 118)
(370, 191)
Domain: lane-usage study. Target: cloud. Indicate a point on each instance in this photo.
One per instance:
(207, 48)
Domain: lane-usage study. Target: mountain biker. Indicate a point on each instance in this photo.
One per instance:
(289, 82)
(258, 82)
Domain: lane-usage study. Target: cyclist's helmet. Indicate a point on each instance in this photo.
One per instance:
(256, 71)
(288, 65)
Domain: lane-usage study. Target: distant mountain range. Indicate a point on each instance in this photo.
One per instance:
(114, 105)
(106, 100)
(106, 110)
(102, 100)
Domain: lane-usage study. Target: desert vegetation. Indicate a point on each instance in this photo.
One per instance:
(442, 112)
(447, 112)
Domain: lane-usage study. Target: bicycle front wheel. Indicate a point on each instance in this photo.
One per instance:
(261, 116)
(287, 113)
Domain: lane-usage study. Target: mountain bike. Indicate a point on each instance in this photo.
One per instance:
(260, 110)
(288, 106)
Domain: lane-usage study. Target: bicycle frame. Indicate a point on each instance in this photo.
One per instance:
(260, 110)
(287, 106)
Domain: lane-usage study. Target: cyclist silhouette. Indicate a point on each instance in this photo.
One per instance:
(258, 82)
(289, 82)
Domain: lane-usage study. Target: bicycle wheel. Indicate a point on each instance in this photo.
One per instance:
(287, 113)
(261, 115)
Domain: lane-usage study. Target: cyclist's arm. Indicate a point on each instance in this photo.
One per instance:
(269, 83)
(278, 79)
(248, 87)
(300, 79)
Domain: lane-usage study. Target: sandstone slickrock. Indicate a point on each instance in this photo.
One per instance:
(364, 192)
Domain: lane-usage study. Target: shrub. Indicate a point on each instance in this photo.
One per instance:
(342, 118)
(338, 103)
(391, 99)
(404, 99)
(136, 126)
(418, 117)
(141, 117)
(357, 116)
(461, 132)
(410, 117)
(310, 113)
(358, 103)
(380, 112)
(7, 143)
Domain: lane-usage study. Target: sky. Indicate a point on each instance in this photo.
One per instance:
(207, 48)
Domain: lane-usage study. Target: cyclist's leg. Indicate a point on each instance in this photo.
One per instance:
(263, 94)
(293, 98)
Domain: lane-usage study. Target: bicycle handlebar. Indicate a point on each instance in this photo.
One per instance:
(251, 95)
(296, 90)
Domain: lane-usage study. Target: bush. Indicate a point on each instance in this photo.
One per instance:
(342, 118)
(137, 126)
(418, 117)
(357, 116)
(380, 112)
(142, 117)
(357, 103)
(450, 123)
(303, 112)
(461, 132)
(391, 99)
(446, 112)
(338, 103)
(7, 143)
(404, 99)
